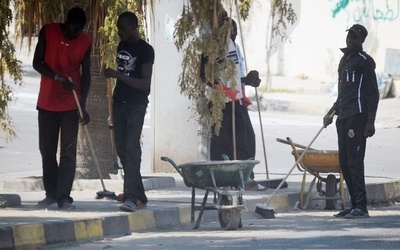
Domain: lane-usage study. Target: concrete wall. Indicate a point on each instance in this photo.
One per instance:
(314, 40)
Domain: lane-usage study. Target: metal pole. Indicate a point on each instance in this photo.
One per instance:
(234, 131)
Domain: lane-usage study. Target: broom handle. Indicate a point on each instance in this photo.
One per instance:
(295, 164)
(258, 103)
(110, 114)
(262, 134)
(109, 100)
(89, 139)
(234, 130)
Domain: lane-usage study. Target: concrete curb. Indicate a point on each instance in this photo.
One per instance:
(157, 217)
(36, 184)
(66, 231)
(376, 193)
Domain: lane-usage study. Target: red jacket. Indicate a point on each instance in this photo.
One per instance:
(64, 57)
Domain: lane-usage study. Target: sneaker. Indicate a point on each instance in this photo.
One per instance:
(343, 213)
(66, 205)
(356, 214)
(128, 206)
(47, 202)
(140, 205)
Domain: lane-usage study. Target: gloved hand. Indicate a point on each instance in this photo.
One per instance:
(328, 118)
(65, 83)
(85, 119)
(253, 78)
(369, 129)
(230, 93)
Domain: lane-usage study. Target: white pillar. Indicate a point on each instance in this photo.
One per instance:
(174, 130)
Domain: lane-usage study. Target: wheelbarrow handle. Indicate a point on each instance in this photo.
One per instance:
(177, 168)
(296, 144)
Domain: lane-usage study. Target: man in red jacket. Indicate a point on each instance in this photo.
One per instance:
(61, 54)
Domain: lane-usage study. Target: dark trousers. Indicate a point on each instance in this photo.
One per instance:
(128, 124)
(58, 178)
(245, 137)
(352, 144)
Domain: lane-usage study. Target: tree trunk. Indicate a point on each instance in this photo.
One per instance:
(98, 128)
(97, 108)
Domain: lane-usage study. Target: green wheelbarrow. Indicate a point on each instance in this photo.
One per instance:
(225, 179)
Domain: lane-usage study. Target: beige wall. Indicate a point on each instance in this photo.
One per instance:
(315, 39)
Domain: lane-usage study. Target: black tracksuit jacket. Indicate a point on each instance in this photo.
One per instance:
(358, 89)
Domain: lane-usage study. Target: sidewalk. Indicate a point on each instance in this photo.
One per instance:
(169, 199)
(169, 206)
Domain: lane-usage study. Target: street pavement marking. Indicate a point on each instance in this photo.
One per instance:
(184, 214)
(141, 220)
(29, 235)
(88, 229)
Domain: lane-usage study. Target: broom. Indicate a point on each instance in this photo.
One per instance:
(263, 209)
(105, 193)
(111, 123)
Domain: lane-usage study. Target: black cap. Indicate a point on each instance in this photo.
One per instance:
(359, 30)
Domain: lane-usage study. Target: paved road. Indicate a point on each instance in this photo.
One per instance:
(22, 155)
(310, 229)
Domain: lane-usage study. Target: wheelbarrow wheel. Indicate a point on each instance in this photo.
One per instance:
(331, 189)
(229, 219)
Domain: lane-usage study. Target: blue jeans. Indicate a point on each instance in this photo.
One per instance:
(128, 124)
(58, 178)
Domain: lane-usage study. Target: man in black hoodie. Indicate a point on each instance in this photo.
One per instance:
(355, 107)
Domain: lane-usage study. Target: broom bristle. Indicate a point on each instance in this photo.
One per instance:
(265, 212)
(106, 194)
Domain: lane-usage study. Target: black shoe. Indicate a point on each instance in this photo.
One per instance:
(357, 214)
(343, 213)
(66, 205)
(47, 202)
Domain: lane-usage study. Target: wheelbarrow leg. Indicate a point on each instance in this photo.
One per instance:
(193, 204)
(304, 204)
(303, 183)
(196, 223)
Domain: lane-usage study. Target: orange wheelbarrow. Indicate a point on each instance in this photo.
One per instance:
(323, 165)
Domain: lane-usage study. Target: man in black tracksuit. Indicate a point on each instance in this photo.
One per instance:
(355, 107)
